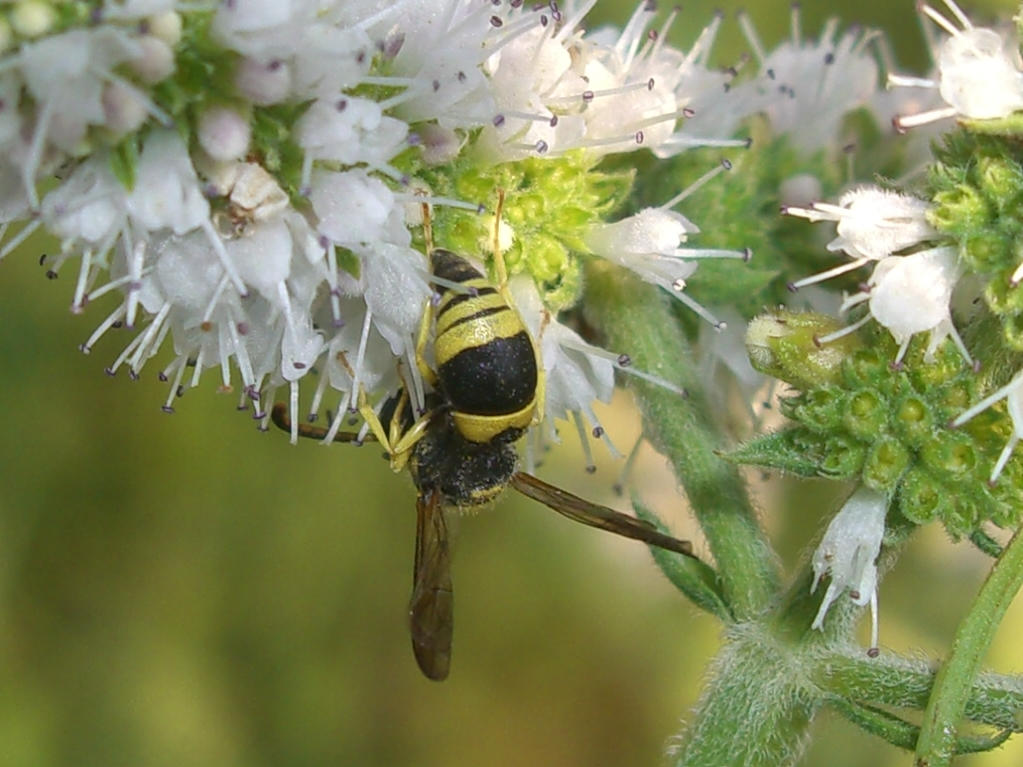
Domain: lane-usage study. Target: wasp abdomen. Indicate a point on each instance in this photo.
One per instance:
(485, 359)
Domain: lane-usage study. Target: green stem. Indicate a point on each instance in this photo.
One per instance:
(637, 319)
(905, 683)
(951, 691)
(755, 709)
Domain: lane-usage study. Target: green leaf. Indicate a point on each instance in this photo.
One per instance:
(795, 450)
(693, 577)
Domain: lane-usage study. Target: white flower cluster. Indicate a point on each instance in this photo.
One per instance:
(211, 252)
(806, 88)
(907, 293)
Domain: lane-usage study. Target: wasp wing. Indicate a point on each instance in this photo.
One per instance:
(431, 609)
(279, 415)
(594, 515)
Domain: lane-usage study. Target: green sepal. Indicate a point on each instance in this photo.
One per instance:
(693, 577)
(273, 144)
(1010, 126)
(798, 451)
(348, 262)
(786, 345)
(986, 543)
(124, 160)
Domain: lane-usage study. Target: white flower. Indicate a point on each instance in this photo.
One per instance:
(576, 373)
(911, 294)
(979, 75)
(277, 240)
(224, 133)
(1012, 393)
(872, 223)
(557, 89)
(647, 243)
(848, 553)
(806, 88)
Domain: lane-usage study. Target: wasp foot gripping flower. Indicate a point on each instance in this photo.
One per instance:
(848, 554)
(978, 75)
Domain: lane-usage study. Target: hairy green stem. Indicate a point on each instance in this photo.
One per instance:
(952, 684)
(756, 708)
(637, 319)
(900, 682)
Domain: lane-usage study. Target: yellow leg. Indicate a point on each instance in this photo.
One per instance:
(422, 339)
(369, 416)
(500, 269)
(541, 391)
(403, 449)
(397, 444)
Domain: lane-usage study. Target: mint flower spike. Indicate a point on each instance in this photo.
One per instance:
(1012, 393)
(978, 73)
(848, 553)
(557, 90)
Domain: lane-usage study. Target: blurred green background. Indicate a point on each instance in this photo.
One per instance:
(183, 590)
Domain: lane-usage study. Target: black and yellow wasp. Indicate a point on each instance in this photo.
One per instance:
(487, 389)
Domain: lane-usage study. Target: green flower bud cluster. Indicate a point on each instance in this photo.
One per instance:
(549, 204)
(977, 191)
(860, 418)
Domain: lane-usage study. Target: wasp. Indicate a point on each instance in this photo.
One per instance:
(487, 389)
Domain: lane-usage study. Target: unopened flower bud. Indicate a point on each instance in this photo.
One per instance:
(786, 345)
(224, 134)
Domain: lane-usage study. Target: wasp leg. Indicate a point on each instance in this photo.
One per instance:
(279, 415)
(422, 339)
(500, 269)
(373, 420)
(403, 448)
(595, 515)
